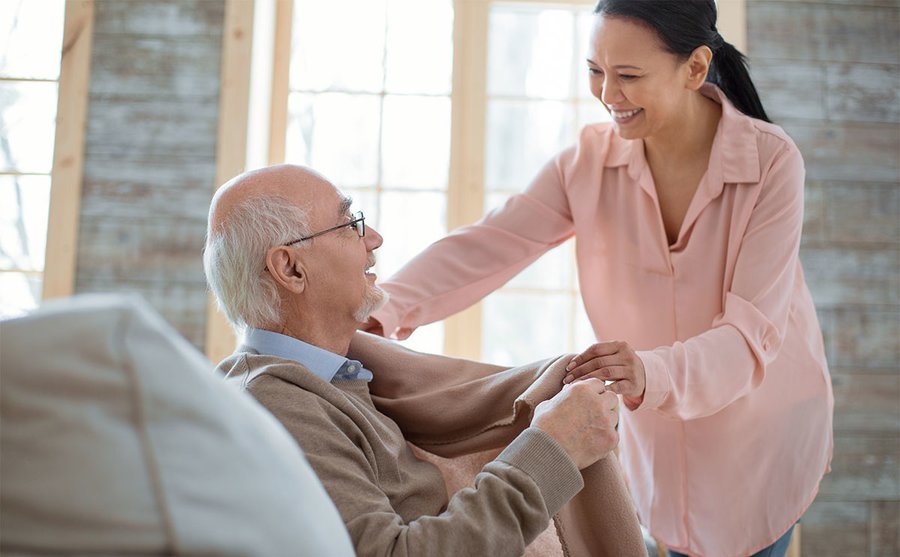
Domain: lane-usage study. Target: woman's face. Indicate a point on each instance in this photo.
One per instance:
(642, 85)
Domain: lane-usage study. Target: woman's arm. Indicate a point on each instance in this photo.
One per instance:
(473, 261)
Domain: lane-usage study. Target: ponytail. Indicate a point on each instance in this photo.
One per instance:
(730, 73)
(684, 25)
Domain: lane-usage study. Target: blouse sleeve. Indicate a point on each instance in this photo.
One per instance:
(682, 380)
(473, 261)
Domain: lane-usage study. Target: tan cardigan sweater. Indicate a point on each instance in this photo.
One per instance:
(396, 504)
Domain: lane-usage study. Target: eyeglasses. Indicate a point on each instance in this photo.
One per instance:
(358, 221)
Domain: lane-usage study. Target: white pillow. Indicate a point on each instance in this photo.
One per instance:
(117, 437)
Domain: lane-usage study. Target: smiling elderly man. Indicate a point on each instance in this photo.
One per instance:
(289, 265)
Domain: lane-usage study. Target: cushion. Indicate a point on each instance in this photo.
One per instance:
(118, 437)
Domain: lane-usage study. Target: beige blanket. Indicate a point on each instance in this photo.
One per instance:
(452, 408)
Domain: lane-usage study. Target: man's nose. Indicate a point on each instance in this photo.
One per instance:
(373, 239)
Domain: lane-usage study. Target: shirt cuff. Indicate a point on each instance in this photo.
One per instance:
(389, 320)
(544, 460)
(656, 381)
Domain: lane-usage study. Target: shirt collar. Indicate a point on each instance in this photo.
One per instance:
(734, 158)
(324, 364)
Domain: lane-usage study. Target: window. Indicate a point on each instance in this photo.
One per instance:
(369, 104)
(537, 101)
(371, 101)
(369, 107)
(30, 43)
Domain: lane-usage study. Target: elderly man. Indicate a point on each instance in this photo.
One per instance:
(290, 267)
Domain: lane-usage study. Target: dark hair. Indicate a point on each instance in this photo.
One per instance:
(684, 25)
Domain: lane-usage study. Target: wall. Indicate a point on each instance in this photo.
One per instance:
(149, 169)
(829, 73)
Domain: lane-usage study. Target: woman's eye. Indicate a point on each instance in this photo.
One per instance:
(627, 77)
(594, 71)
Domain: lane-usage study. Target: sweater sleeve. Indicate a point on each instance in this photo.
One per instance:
(473, 261)
(703, 374)
(511, 504)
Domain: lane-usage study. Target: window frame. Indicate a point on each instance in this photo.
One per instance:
(66, 176)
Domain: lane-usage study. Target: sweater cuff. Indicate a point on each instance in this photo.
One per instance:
(656, 381)
(544, 460)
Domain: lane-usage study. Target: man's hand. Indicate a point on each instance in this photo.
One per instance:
(582, 418)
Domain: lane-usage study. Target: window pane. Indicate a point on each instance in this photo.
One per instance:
(428, 339)
(365, 200)
(521, 137)
(338, 45)
(19, 293)
(27, 123)
(530, 52)
(24, 203)
(31, 33)
(582, 43)
(409, 223)
(419, 46)
(584, 333)
(591, 112)
(521, 328)
(336, 134)
(416, 144)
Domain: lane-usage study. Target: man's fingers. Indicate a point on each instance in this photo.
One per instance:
(594, 384)
(622, 387)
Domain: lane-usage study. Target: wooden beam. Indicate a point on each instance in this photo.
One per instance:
(732, 22)
(231, 150)
(281, 70)
(60, 259)
(465, 196)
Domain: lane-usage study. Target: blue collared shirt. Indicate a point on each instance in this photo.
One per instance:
(324, 364)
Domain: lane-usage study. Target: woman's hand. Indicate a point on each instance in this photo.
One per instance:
(611, 361)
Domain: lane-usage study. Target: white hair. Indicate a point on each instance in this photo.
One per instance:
(234, 259)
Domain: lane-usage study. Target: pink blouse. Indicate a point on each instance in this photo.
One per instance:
(727, 448)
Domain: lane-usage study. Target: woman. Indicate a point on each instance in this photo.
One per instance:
(688, 210)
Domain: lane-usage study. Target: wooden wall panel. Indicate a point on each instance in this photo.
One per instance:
(847, 151)
(836, 528)
(180, 66)
(150, 154)
(863, 92)
(162, 18)
(864, 468)
(862, 338)
(829, 73)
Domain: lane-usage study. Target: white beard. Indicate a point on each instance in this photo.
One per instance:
(373, 299)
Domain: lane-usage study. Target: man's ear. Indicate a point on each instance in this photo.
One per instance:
(287, 268)
(698, 67)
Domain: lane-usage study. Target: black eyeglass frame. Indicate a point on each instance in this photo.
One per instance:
(358, 221)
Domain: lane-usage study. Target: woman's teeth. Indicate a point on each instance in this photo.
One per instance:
(625, 114)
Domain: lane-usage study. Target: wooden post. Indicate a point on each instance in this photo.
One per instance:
(60, 259)
(465, 199)
(231, 150)
(732, 22)
(281, 69)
